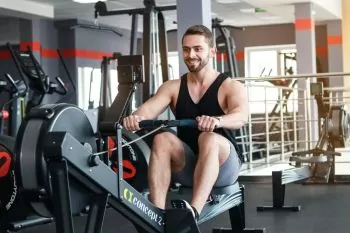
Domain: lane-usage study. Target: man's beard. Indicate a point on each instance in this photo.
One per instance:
(194, 68)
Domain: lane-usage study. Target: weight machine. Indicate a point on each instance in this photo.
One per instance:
(226, 47)
(135, 156)
(154, 42)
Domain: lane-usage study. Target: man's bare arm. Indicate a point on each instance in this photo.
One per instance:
(158, 103)
(237, 106)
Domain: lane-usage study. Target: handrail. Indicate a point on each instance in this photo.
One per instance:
(296, 76)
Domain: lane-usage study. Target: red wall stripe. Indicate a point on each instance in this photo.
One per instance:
(334, 40)
(86, 54)
(303, 24)
(5, 55)
(223, 56)
(34, 45)
(49, 53)
(240, 55)
(52, 53)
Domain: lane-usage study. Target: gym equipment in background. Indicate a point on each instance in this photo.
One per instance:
(136, 156)
(315, 166)
(226, 47)
(154, 42)
(15, 89)
(39, 86)
(226, 62)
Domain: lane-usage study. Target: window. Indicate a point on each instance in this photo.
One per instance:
(89, 83)
(267, 61)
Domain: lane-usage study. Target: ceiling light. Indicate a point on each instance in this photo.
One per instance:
(252, 10)
(227, 1)
(88, 1)
(247, 10)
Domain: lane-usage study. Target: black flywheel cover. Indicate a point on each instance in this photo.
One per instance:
(340, 133)
(31, 168)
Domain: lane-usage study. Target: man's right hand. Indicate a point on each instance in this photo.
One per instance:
(131, 122)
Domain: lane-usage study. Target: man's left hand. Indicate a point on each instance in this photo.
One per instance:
(207, 123)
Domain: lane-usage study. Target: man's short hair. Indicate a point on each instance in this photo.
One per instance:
(200, 30)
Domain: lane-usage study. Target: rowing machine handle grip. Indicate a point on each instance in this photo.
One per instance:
(168, 123)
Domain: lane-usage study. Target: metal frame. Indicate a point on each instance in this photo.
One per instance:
(147, 12)
(229, 44)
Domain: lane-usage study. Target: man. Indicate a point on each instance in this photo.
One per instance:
(201, 157)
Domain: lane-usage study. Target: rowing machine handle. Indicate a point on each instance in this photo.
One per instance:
(168, 123)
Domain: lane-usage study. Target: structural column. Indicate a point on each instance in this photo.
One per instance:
(335, 56)
(306, 64)
(190, 13)
(346, 47)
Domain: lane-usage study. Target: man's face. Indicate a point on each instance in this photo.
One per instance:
(196, 52)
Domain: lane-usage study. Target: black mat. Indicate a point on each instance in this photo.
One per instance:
(325, 209)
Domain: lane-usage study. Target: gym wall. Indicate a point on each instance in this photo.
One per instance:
(264, 36)
(80, 47)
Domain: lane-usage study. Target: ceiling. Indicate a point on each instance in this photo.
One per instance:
(233, 12)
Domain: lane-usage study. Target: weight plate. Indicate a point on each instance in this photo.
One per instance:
(31, 172)
(135, 160)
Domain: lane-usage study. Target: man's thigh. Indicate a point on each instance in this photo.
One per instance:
(228, 171)
(185, 176)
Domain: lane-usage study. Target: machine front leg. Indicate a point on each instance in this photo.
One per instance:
(60, 196)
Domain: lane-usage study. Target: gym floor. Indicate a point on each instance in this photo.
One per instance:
(324, 209)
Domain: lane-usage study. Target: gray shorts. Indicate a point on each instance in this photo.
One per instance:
(228, 173)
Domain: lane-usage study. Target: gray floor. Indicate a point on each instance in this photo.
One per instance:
(325, 209)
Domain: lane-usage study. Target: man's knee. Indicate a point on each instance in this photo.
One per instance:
(167, 142)
(214, 142)
(206, 139)
(162, 139)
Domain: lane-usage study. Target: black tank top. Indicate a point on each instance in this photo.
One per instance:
(208, 105)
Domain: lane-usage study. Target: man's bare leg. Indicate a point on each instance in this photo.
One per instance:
(167, 155)
(214, 149)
